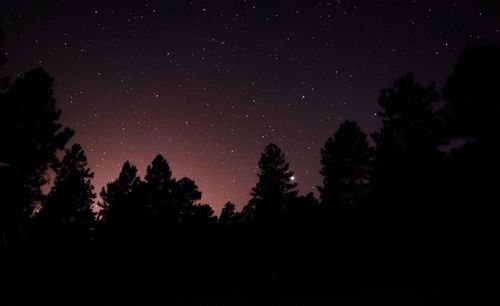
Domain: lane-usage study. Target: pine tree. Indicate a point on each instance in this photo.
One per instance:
(185, 195)
(345, 160)
(121, 207)
(472, 114)
(275, 186)
(472, 96)
(31, 137)
(170, 201)
(67, 213)
(227, 214)
(408, 163)
(410, 136)
(199, 214)
(409, 124)
(159, 173)
(158, 192)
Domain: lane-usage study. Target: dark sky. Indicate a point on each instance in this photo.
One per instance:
(209, 83)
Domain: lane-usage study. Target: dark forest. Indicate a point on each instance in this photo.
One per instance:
(406, 215)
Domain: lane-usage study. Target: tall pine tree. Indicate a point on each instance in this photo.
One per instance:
(158, 191)
(67, 214)
(31, 137)
(408, 162)
(184, 196)
(472, 96)
(472, 114)
(171, 201)
(410, 136)
(345, 161)
(227, 215)
(122, 209)
(275, 187)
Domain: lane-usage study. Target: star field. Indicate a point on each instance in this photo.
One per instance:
(209, 83)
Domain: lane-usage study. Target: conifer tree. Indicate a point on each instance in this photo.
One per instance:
(121, 207)
(67, 213)
(408, 142)
(275, 186)
(227, 214)
(31, 137)
(345, 160)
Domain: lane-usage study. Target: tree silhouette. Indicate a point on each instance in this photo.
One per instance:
(408, 142)
(171, 201)
(185, 195)
(409, 124)
(228, 214)
(345, 161)
(274, 187)
(158, 192)
(303, 210)
(199, 214)
(119, 191)
(472, 114)
(31, 137)
(67, 212)
(122, 209)
(248, 212)
(159, 173)
(472, 94)
(408, 164)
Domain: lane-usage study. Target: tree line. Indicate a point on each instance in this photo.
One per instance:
(418, 207)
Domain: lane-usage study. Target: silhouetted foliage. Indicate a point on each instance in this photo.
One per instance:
(473, 94)
(185, 195)
(472, 114)
(31, 136)
(275, 187)
(248, 212)
(409, 125)
(117, 193)
(228, 214)
(138, 211)
(159, 173)
(199, 214)
(157, 202)
(407, 145)
(345, 161)
(303, 210)
(158, 193)
(67, 214)
(122, 209)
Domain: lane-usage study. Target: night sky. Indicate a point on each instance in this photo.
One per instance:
(209, 84)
